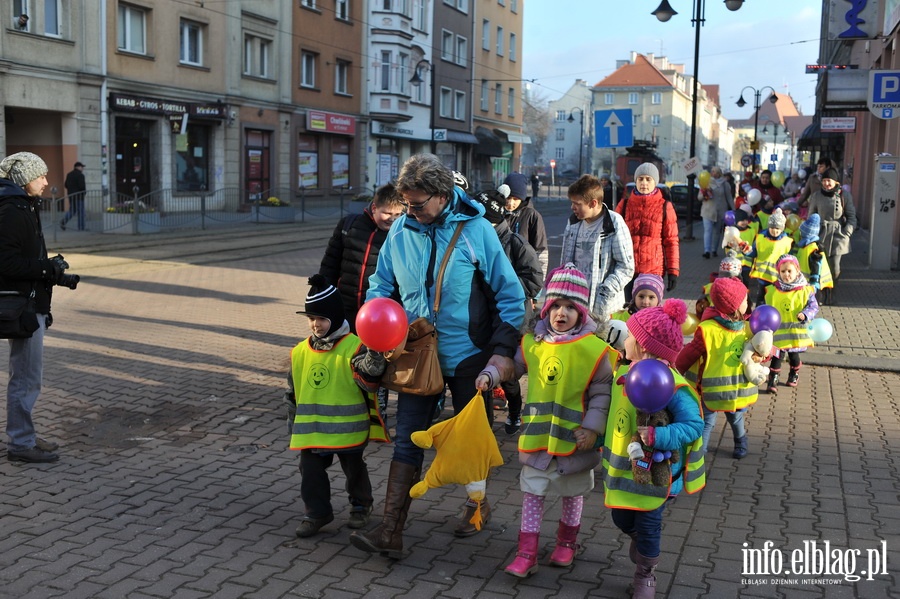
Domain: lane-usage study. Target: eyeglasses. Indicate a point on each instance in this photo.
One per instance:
(416, 207)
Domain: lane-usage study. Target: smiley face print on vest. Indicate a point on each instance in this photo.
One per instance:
(552, 370)
(733, 353)
(318, 376)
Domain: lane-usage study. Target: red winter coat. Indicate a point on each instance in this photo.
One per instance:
(654, 231)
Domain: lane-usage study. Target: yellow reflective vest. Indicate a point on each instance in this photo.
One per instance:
(559, 375)
(620, 489)
(768, 251)
(332, 411)
(748, 235)
(723, 386)
(826, 280)
(792, 333)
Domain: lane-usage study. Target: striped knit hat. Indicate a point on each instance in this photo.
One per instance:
(567, 282)
(324, 300)
(777, 220)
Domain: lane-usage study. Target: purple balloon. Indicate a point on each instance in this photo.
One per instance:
(730, 218)
(764, 318)
(649, 385)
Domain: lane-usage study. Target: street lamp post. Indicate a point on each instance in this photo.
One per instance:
(416, 79)
(741, 103)
(664, 12)
(571, 119)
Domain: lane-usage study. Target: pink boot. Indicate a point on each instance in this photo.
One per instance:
(644, 578)
(566, 548)
(525, 563)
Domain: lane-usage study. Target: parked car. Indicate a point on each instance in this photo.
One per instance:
(679, 197)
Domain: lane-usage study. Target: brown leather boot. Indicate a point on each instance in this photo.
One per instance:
(387, 537)
(466, 528)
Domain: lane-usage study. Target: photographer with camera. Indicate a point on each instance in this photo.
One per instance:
(25, 269)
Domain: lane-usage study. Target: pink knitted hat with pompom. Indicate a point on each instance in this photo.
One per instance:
(658, 330)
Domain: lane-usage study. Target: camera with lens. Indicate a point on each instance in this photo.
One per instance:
(62, 279)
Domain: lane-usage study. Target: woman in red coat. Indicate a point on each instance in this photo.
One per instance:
(654, 228)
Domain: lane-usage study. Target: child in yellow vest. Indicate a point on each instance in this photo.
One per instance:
(768, 246)
(646, 292)
(748, 225)
(795, 300)
(637, 509)
(570, 375)
(810, 257)
(332, 409)
(729, 268)
(710, 362)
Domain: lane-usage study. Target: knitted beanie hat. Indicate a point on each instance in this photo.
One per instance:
(787, 258)
(832, 174)
(727, 294)
(567, 282)
(777, 220)
(730, 267)
(747, 210)
(658, 330)
(809, 229)
(22, 168)
(493, 202)
(518, 185)
(648, 168)
(652, 282)
(324, 300)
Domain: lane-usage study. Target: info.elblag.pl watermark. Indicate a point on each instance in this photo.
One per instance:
(815, 562)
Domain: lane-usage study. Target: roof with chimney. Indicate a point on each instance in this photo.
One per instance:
(639, 73)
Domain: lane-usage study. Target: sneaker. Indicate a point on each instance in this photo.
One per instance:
(438, 409)
(792, 378)
(359, 517)
(35, 455)
(310, 526)
(513, 423)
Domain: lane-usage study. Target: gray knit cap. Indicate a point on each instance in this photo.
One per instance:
(777, 220)
(22, 168)
(648, 168)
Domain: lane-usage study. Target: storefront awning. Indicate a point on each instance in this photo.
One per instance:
(461, 137)
(488, 143)
(813, 139)
(513, 137)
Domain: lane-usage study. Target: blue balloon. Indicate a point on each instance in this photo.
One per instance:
(649, 385)
(730, 218)
(764, 318)
(820, 330)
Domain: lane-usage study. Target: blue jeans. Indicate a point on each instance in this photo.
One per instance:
(735, 419)
(26, 368)
(414, 413)
(647, 525)
(709, 236)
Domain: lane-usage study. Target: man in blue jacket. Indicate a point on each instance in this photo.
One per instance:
(478, 319)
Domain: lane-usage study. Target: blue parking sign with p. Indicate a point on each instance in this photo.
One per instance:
(886, 88)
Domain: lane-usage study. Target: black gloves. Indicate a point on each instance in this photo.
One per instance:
(673, 280)
(53, 267)
(371, 364)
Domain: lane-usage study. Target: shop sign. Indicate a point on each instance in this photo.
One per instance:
(149, 105)
(330, 122)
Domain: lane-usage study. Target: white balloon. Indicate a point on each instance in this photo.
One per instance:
(801, 173)
(753, 197)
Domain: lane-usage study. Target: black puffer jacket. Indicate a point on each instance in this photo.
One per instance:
(23, 254)
(524, 261)
(528, 222)
(350, 258)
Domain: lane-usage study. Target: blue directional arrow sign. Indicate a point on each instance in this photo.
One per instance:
(613, 128)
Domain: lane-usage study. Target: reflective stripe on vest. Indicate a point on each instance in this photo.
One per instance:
(559, 375)
(792, 333)
(724, 387)
(621, 491)
(331, 409)
(826, 280)
(768, 251)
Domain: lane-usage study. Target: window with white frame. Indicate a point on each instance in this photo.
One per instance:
(498, 99)
(419, 12)
(341, 77)
(462, 50)
(656, 98)
(634, 120)
(460, 5)
(386, 71)
(560, 153)
(654, 120)
(514, 6)
(560, 134)
(342, 9)
(511, 102)
(446, 44)
(20, 15)
(257, 53)
(404, 68)
(484, 95)
(485, 34)
(632, 98)
(560, 116)
(459, 105)
(512, 47)
(132, 29)
(500, 41)
(308, 69)
(191, 43)
(609, 99)
(53, 18)
(446, 101)
(308, 3)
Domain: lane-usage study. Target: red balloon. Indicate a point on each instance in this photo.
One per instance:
(649, 385)
(381, 324)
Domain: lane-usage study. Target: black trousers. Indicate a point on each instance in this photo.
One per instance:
(315, 488)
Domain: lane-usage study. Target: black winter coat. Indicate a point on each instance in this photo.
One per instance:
(350, 259)
(524, 261)
(528, 222)
(22, 248)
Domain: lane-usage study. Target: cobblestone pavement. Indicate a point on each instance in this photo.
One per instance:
(162, 381)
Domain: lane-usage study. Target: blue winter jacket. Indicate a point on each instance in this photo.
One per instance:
(482, 301)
